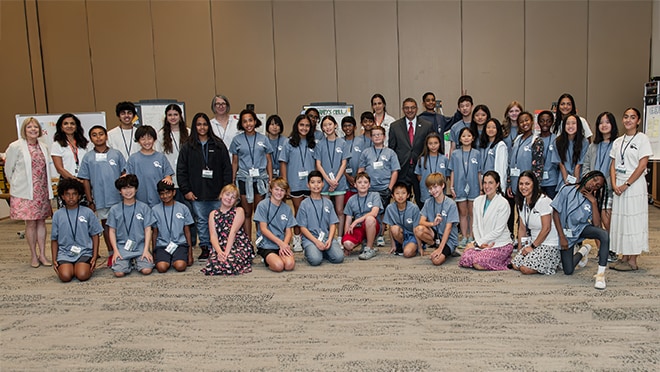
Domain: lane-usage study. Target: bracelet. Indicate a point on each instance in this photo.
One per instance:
(533, 246)
(627, 183)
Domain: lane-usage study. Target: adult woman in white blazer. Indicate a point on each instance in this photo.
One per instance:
(492, 245)
(27, 166)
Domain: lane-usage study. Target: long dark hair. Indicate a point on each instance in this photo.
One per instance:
(473, 124)
(562, 141)
(559, 119)
(167, 129)
(536, 192)
(194, 138)
(499, 136)
(294, 139)
(425, 152)
(614, 132)
(78, 135)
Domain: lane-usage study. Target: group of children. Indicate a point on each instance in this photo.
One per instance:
(339, 185)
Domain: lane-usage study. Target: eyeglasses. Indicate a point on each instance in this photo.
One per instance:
(220, 104)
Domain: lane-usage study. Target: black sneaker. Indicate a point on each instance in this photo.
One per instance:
(204, 255)
(612, 257)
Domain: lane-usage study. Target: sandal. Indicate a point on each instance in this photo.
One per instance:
(44, 261)
(624, 266)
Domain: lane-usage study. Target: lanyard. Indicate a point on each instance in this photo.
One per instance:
(73, 231)
(566, 206)
(364, 204)
(378, 152)
(74, 150)
(276, 149)
(127, 146)
(303, 155)
(128, 226)
(316, 211)
(521, 143)
(527, 212)
(270, 219)
(545, 148)
(331, 154)
(437, 159)
(169, 226)
(442, 208)
(251, 149)
(205, 153)
(176, 145)
(623, 149)
(466, 166)
(600, 160)
(402, 216)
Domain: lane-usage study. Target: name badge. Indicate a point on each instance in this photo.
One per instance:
(171, 247)
(331, 175)
(75, 250)
(130, 245)
(467, 189)
(207, 173)
(568, 233)
(302, 175)
(259, 240)
(101, 157)
(349, 170)
(526, 241)
(276, 172)
(322, 236)
(378, 165)
(254, 172)
(571, 179)
(621, 168)
(546, 175)
(515, 172)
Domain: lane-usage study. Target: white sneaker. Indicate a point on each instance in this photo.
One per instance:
(367, 254)
(338, 240)
(297, 243)
(380, 241)
(600, 281)
(585, 257)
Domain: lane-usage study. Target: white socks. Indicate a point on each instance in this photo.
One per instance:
(601, 269)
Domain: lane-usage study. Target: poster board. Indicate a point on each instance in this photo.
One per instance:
(152, 112)
(338, 110)
(652, 129)
(48, 122)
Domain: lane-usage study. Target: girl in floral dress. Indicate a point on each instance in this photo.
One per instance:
(232, 251)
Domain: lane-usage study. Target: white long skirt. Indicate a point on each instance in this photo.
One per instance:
(629, 229)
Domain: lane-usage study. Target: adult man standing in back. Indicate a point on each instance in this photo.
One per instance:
(407, 136)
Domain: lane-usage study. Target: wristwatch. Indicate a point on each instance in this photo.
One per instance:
(627, 183)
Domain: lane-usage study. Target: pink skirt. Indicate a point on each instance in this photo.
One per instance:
(497, 258)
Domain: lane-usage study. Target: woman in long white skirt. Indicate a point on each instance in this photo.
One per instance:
(629, 234)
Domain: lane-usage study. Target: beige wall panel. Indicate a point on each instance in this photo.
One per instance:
(618, 56)
(120, 35)
(555, 53)
(65, 47)
(430, 51)
(244, 60)
(367, 50)
(17, 93)
(493, 52)
(305, 59)
(183, 54)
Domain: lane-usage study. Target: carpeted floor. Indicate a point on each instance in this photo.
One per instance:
(386, 314)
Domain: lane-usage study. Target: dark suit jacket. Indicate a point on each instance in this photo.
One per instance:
(398, 141)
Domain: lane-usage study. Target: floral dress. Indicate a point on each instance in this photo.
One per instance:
(240, 254)
(39, 207)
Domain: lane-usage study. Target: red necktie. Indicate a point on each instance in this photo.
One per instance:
(411, 134)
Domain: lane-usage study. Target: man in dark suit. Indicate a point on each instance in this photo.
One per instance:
(407, 136)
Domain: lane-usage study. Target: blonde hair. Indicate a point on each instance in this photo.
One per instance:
(435, 179)
(231, 188)
(506, 123)
(281, 183)
(27, 121)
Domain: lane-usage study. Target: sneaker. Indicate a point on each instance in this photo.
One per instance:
(204, 255)
(338, 240)
(612, 257)
(463, 242)
(297, 243)
(600, 281)
(367, 254)
(380, 241)
(585, 257)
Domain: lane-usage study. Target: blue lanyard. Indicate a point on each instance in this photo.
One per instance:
(442, 207)
(316, 211)
(205, 153)
(466, 165)
(270, 219)
(169, 227)
(73, 231)
(123, 213)
(127, 146)
(251, 149)
(331, 154)
(303, 155)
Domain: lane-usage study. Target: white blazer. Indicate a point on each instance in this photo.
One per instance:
(18, 168)
(491, 227)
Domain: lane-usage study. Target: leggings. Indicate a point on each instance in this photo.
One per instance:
(570, 260)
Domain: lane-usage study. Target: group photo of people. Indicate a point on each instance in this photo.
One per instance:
(485, 188)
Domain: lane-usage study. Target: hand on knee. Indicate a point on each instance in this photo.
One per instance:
(439, 260)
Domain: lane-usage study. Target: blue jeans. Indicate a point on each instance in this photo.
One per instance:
(335, 254)
(202, 210)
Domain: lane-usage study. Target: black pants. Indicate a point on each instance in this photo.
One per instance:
(570, 260)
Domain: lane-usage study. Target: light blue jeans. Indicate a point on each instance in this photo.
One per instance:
(202, 210)
(314, 256)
